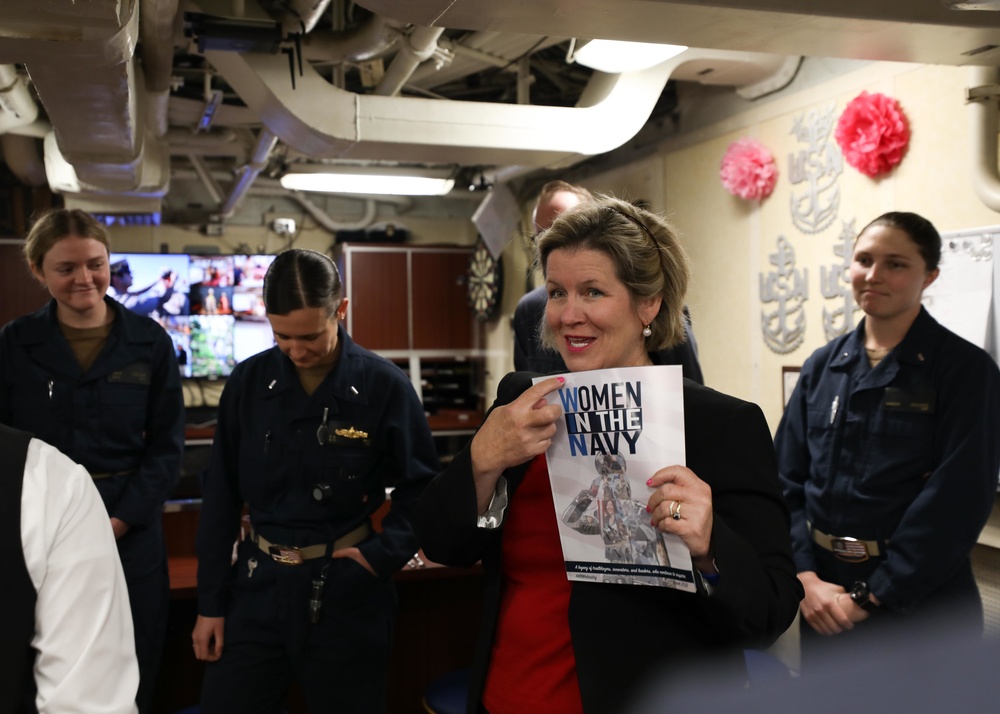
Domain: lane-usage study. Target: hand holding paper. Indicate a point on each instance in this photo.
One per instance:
(513, 434)
(679, 492)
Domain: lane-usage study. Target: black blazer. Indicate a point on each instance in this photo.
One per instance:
(729, 446)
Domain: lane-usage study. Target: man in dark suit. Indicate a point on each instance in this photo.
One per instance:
(529, 354)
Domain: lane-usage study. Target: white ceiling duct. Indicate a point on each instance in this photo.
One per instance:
(984, 117)
(114, 114)
(17, 108)
(80, 59)
(323, 121)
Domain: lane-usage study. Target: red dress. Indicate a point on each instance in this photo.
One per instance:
(532, 667)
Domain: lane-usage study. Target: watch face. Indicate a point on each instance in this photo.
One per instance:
(861, 596)
(485, 281)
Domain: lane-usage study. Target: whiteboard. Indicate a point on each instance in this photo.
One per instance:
(962, 297)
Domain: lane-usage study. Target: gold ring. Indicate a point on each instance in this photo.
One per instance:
(677, 514)
(673, 505)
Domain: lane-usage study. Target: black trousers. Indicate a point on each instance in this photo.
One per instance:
(144, 560)
(339, 663)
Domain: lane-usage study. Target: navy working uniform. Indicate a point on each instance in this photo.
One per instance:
(531, 356)
(313, 469)
(902, 457)
(123, 420)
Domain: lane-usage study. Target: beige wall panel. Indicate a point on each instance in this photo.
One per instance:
(718, 232)
(935, 178)
(731, 240)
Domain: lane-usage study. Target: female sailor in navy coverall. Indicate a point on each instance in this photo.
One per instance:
(309, 435)
(102, 385)
(888, 454)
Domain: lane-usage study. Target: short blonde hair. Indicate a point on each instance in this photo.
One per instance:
(56, 224)
(644, 248)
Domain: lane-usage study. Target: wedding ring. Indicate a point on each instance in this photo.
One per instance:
(673, 505)
(677, 514)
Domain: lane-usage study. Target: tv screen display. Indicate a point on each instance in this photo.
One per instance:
(212, 306)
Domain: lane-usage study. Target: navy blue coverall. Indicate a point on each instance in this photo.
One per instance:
(267, 454)
(907, 454)
(124, 417)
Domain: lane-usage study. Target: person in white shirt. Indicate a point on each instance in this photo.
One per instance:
(83, 643)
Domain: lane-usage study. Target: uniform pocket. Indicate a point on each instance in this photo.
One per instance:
(123, 412)
(820, 438)
(351, 474)
(900, 448)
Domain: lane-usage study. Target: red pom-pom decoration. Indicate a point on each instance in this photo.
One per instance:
(873, 133)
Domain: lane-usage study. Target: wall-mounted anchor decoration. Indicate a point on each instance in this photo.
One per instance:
(836, 285)
(818, 167)
(784, 328)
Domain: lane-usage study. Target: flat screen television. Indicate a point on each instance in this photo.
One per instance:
(212, 306)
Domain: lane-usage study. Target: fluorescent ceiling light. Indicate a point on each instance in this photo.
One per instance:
(375, 180)
(972, 4)
(616, 56)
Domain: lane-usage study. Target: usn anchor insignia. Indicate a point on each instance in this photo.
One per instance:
(784, 327)
(818, 167)
(836, 285)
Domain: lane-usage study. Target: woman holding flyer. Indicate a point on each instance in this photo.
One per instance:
(616, 277)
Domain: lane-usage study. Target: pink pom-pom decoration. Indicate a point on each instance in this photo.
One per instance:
(873, 133)
(748, 170)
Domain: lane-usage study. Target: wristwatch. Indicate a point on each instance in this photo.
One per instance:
(861, 596)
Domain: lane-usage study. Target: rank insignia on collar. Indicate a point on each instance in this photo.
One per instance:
(351, 433)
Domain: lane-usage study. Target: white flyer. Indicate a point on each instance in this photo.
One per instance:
(619, 427)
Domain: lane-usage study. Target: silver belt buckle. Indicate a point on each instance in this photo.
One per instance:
(850, 550)
(285, 554)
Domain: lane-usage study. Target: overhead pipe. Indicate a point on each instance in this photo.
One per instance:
(266, 142)
(303, 15)
(376, 37)
(983, 98)
(322, 217)
(323, 121)
(207, 180)
(17, 108)
(419, 45)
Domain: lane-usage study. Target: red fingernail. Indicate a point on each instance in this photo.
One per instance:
(648, 510)
(652, 522)
(649, 481)
(561, 380)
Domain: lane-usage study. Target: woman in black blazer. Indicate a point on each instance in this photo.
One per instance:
(616, 277)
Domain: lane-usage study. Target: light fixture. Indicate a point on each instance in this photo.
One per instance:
(971, 4)
(369, 180)
(617, 56)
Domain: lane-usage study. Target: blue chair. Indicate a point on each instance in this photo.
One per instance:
(448, 693)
